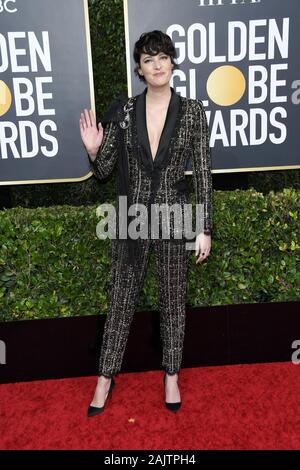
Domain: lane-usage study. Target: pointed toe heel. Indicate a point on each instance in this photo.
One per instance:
(171, 406)
(95, 410)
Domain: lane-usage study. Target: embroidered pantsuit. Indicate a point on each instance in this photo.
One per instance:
(159, 181)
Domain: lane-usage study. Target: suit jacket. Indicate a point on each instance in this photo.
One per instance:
(163, 181)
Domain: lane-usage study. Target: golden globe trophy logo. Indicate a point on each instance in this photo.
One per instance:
(30, 96)
(45, 81)
(241, 59)
(264, 45)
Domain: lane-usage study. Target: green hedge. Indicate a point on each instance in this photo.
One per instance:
(53, 265)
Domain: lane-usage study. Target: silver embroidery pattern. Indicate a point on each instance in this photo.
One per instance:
(125, 290)
(127, 109)
(190, 141)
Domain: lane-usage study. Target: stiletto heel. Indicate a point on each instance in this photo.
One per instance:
(95, 410)
(171, 406)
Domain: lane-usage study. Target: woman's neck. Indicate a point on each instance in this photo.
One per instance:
(158, 94)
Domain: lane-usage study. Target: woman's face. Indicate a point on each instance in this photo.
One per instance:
(156, 69)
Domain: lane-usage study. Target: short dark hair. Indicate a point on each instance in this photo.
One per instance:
(153, 43)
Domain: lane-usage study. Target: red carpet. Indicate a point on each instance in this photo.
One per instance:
(229, 407)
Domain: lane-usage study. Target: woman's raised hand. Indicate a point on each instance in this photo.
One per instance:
(91, 135)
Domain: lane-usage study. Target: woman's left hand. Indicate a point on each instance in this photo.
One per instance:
(202, 247)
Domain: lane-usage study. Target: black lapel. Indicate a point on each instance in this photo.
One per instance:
(167, 132)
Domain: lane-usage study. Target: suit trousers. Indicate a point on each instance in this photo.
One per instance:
(171, 260)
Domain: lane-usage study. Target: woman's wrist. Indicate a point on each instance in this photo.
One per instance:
(92, 154)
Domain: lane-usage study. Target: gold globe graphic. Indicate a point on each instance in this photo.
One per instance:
(5, 98)
(226, 85)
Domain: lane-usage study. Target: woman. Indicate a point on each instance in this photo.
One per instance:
(151, 135)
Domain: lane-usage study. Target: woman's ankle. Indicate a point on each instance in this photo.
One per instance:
(172, 377)
(103, 380)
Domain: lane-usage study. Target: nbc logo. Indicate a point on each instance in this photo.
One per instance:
(8, 6)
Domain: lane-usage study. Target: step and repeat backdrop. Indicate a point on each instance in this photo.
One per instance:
(46, 80)
(241, 58)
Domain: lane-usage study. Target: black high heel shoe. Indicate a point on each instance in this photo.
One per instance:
(172, 406)
(95, 410)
